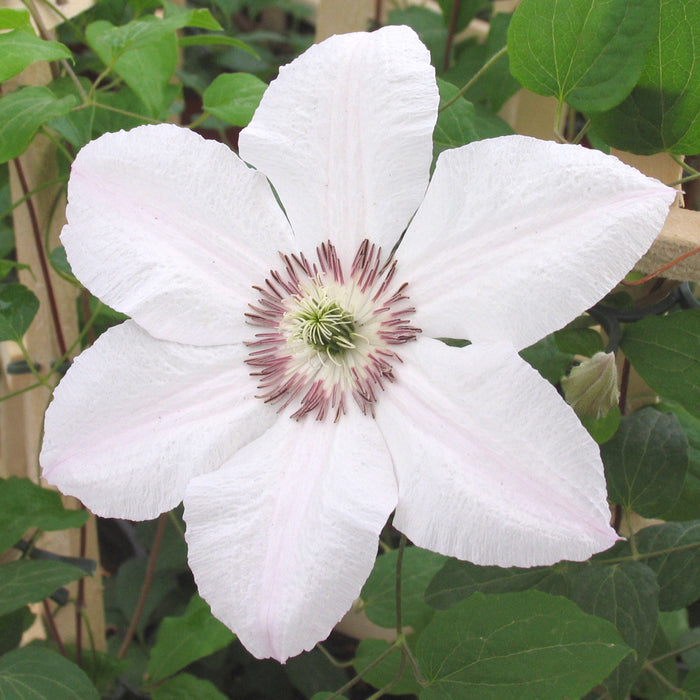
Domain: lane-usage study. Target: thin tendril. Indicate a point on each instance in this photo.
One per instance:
(474, 78)
(150, 569)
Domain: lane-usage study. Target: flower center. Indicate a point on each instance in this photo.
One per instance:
(328, 335)
(321, 322)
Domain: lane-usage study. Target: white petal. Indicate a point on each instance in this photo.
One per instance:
(517, 236)
(345, 136)
(493, 467)
(135, 418)
(172, 230)
(283, 537)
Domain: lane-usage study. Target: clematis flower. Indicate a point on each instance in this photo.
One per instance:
(281, 371)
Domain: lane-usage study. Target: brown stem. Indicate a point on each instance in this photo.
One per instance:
(624, 385)
(54, 630)
(80, 602)
(378, 13)
(451, 29)
(36, 231)
(87, 313)
(663, 268)
(150, 569)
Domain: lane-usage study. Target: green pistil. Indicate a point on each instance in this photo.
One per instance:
(322, 324)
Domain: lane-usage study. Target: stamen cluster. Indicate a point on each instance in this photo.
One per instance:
(328, 337)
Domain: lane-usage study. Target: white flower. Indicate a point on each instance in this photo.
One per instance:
(479, 456)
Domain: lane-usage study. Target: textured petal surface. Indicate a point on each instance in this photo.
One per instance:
(135, 418)
(516, 237)
(172, 230)
(345, 136)
(283, 537)
(493, 467)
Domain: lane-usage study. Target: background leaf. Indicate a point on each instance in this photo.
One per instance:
(673, 553)
(19, 49)
(386, 671)
(182, 640)
(496, 84)
(30, 581)
(234, 97)
(18, 306)
(22, 113)
(15, 19)
(460, 123)
(626, 595)
(35, 673)
(458, 580)
(688, 505)
(665, 350)
(24, 504)
(646, 462)
(663, 111)
(588, 53)
(186, 687)
(379, 592)
(527, 645)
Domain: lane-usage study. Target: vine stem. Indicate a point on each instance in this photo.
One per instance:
(474, 78)
(665, 267)
(673, 653)
(451, 29)
(36, 231)
(54, 630)
(624, 386)
(648, 667)
(364, 671)
(150, 569)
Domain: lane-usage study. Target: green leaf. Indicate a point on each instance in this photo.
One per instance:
(646, 462)
(185, 687)
(548, 359)
(466, 11)
(579, 341)
(24, 504)
(143, 53)
(690, 689)
(458, 580)
(18, 306)
(496, 84)
(429, 27)
(13, 626)
(589, 53)
(215, 40)
(328, 694)
(15, 19)
(379, 592)
(653, 681)
(177, 17)
(663, 111)
(182, 640)
(234, 97)
(626, 595)
(387, 669)
(22, 113)
(460, 123)
(36, 673)
(603, 428)
(32, 580)
(665, 350)
(527, 645)
(19, 49)
(313, 672)
(672, 551)
(688, 505)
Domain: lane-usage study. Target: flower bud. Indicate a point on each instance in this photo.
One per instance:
(591, 387)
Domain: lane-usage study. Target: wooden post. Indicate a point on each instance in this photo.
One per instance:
(55, 327)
